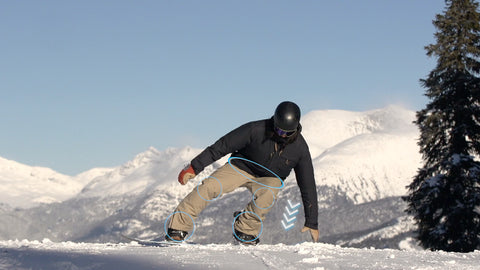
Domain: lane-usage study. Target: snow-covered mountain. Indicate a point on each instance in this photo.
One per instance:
(145, 172)
(369, 155)
(362, 162)
(26, 186)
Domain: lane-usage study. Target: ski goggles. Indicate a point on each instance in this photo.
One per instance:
(282, 132)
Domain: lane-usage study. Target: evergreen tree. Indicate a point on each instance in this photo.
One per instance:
(444, 197)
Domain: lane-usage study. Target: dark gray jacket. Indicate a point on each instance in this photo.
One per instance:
(257, 142)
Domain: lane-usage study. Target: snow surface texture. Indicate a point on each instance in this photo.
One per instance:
(51, 256)
(363, 161)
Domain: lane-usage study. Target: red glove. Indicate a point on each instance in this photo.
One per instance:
(186, 174)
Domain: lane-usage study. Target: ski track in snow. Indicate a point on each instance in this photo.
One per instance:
(69, 255)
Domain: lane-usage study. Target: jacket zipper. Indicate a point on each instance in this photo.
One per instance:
(274, 154)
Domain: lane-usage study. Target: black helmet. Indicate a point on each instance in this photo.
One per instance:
(287, 116)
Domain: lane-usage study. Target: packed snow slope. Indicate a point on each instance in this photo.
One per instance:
(363, 161)
(47, 255)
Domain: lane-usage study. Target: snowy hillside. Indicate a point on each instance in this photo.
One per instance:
(327, 128)
(86, 177)
(145, 172)
(362, 162)
(369, 155)
(25, 186)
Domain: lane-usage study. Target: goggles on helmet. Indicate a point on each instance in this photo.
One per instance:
(282, 132)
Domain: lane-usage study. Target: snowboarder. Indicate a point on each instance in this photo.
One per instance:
(263, 152)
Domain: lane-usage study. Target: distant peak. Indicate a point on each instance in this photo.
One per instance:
(153, 150)
(150, 153)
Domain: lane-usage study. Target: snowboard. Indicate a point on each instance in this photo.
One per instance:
(154, 243)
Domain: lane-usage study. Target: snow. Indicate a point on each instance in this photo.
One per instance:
(326, 128)
(146, 171)
(26, 186)
(362, 160)
(369, 155)
(116, 256)
(364, 157)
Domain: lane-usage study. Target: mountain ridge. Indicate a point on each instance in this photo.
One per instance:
(344, 145)
(360, 178)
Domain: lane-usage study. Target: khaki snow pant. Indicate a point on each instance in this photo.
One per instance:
(223, 181)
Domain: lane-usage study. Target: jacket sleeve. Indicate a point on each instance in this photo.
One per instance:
(231, 142)
(308, 189)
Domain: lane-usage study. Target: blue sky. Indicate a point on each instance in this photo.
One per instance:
(88, 84)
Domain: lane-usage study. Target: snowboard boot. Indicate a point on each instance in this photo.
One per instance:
(246, 239)
(175, 235)
(243, 238)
